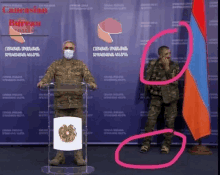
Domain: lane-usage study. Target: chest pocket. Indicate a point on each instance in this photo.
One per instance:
(59, 73)
(157, 73)
(76, 72)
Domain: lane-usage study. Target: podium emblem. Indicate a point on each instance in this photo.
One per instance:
(67, 133)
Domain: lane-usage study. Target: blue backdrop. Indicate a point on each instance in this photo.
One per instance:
(117, 109)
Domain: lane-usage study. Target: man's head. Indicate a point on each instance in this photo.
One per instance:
(68, 49)
(164, 52)
(69, 45)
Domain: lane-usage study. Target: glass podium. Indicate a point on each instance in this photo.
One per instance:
(67, 133)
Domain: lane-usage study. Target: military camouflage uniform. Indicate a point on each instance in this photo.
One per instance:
(164, 94)
(68, 103)
(75, 73)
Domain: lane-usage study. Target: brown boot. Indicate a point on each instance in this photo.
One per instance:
(78, 158)
(58, 159)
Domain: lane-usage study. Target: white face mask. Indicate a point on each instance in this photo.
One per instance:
(68, 54)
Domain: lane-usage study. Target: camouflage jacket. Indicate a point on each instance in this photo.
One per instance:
(156, 72)
(75, 73)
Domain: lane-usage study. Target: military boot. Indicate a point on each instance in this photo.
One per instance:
(58, 159)
(78, 158)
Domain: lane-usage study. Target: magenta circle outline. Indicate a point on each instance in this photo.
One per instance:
(164, 32)
(159, 166)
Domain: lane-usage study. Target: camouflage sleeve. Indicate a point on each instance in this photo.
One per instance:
(147, 74)
(87, 76)
(172, 73)
(149, 70)
(49, 73)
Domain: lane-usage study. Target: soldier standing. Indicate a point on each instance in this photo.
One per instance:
(68, 69)
(160, 70)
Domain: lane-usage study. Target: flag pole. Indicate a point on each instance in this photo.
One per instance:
(200, 149)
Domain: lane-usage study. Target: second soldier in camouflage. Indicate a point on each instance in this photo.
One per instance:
(166, 95)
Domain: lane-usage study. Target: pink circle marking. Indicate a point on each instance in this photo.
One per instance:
(159, 166)
(164, 32)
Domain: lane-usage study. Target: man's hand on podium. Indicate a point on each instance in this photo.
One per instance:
(93, 85)
(40, 84)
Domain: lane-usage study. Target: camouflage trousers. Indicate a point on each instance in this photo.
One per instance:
(169, 115)
(74, 112)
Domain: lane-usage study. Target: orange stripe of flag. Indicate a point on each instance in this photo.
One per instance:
(194, 110)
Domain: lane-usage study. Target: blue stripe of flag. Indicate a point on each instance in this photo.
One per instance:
(198, 65)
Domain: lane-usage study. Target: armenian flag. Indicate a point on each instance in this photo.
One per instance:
(196, 111)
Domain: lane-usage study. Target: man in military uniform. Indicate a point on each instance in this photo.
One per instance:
(68, 103)
(160, 70)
